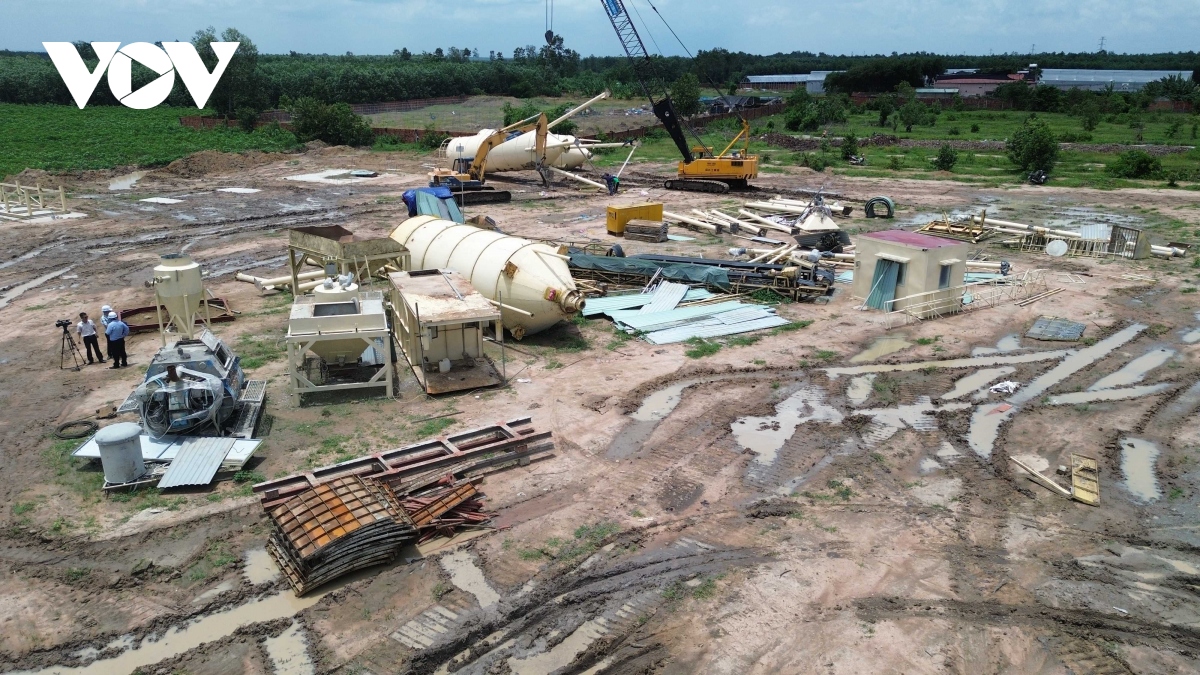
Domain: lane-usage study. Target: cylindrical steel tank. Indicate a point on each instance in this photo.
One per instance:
(531, 280)
(121, 452)
(179, 286)
(573, 158)
(516, 154)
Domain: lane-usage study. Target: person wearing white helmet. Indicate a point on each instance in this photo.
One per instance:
(106, 315)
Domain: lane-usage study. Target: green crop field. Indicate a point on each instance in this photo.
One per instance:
(1077, 167)
(64, 138)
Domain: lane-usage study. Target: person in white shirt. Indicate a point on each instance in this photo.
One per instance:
(91, 342)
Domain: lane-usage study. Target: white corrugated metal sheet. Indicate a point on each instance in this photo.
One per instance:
(667, 296)
(714, 329)
(613, 303)
(632, 320)
(196, 462)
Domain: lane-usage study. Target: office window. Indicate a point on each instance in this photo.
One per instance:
(944, 277)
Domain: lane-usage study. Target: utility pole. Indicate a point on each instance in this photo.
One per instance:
(1102, 39)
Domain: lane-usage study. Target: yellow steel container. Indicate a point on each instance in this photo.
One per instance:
(618, 216)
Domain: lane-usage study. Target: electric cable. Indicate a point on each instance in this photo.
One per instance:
(75, 429)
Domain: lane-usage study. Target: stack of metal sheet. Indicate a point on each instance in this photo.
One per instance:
(646, 230)
(336, 519)
(337, 527)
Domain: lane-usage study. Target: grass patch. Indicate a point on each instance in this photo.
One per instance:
(65, 138)
(441, 589)
(434, 427)
(257, 351)
(584, 541)
(249, 477)
(699, 348)
(825, 355)
(791, 326)
(553, 364)
(21, 508)
(769, 296)
(743, 340)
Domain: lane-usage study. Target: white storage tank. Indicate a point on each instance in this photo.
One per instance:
(179, 286)
(121, 452)
(531, 280)
(515, 154)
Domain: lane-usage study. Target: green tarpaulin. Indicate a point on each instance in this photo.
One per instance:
(695, 275)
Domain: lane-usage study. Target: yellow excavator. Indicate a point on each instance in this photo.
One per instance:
(701, 170)
(465, 177)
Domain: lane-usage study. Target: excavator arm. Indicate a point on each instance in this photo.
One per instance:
(541, 128)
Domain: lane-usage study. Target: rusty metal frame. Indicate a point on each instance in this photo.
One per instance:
(511, 439)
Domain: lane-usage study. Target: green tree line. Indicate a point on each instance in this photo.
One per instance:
(258, 81)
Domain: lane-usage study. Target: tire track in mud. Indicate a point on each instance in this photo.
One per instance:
(1082, 624)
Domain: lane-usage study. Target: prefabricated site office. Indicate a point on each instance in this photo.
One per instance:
(894, 269)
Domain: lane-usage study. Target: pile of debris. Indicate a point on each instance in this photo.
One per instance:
(674, 313)
(795, 280)
(348, 516)
(1099, 240)
(807, 221)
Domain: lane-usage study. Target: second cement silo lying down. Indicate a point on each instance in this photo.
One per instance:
(531, 280)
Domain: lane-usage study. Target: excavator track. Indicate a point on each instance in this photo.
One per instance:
(476, 197)
(694, 185)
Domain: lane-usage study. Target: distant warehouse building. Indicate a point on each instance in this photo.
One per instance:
(1099, 80)
(814, 82)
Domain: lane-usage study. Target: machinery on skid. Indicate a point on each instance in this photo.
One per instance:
(701, 170)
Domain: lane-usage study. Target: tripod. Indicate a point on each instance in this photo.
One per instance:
(69, 346)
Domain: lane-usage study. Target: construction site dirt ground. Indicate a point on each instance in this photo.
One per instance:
(762, 509)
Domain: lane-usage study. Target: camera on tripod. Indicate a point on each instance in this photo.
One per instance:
(68, 346)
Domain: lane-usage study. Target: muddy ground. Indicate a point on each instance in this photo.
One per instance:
(782, 516)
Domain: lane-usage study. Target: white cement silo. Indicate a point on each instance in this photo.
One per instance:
(531, 280)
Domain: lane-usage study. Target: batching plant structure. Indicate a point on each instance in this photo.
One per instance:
(529, 282)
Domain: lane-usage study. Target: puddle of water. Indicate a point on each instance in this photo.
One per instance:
(661, 403)
(1138, 458)
(912, 415)
(1076, 362)
(27, 255)
(929, 465)
(260, 567)
(1192, 336)
(766, 435)
(289, 652)
(859, 389)
(985, 427)
(1008, 343)
(1134, 371)
(127, 181)
(880, 347)
(1180, 565)
(947, 453)
(1077, 397)
(655, 408)
(975, 382)
(972, 362)
(212, 592)
(180, 639)
(16, 291)
(465, 574)
(563, 653)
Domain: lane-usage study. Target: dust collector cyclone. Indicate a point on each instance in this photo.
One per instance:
(531, 280)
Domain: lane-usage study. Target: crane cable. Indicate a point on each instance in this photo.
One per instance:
(680, 41)
(646, 26)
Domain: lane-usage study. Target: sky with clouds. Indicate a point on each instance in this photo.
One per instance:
(765, 26)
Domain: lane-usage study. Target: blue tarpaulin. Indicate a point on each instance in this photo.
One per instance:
(434, 201)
